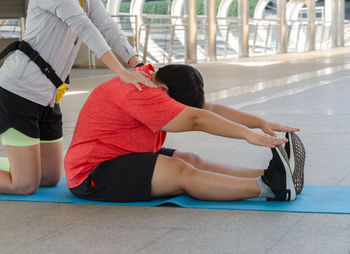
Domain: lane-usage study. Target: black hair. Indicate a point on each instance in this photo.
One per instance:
(185, 84)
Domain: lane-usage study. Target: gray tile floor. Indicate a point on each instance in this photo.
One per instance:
(309, 91)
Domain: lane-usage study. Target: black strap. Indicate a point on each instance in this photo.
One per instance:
(36, 58)
(12, 47)
(67, 81)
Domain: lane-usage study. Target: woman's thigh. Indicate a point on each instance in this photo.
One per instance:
(51, 156)
(31, 163)
(24, 168)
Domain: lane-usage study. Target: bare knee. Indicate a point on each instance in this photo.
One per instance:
(193, 159)
(187, 174)
(50, 181)
(185, 169)
(169, 176)
(28, 188)
(198, 161)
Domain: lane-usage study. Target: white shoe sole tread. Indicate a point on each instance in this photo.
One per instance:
(297, 161)
(289, 178)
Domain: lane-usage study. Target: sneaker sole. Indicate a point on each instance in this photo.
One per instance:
(297, 161)
(289, 178)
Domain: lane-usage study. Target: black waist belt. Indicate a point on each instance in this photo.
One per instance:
(41, 63)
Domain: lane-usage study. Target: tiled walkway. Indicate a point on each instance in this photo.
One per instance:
(309, 91)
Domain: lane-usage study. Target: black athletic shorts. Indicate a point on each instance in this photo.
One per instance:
(30, 118)
(123, 179)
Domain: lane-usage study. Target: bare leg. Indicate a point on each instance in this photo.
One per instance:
(24, 176)
(174, 176)
(231, 170)
(51, 163)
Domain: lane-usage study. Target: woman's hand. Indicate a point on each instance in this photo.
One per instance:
(136, 77)
(131, 77)
(270, 128)
(262, 139)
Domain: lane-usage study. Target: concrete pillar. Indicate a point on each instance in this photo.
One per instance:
(211, 28)
(112, 7)
(341, 17)
(191, 32)
(331, 12)
(281, 12)
(243, 13)
(311, 26)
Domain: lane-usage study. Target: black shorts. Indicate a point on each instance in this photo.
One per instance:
(123, 179)
(30, 118)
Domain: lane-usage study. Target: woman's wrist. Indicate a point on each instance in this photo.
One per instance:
(261, 123)
(246, 133)
(133, 62)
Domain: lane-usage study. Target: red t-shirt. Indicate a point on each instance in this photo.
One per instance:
(117, 119)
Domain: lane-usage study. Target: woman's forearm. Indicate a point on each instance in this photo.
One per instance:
(133, 61)
(112, 63)
(193, 119)
(236, 116)
(215, 124)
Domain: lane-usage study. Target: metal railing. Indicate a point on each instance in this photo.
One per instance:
(298, 38)
(263, 36)
(162, 38)
(11, 28)
(347, 33)
(167, 38)
(130, 26)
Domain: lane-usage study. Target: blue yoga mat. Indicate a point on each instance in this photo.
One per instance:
(313, 199)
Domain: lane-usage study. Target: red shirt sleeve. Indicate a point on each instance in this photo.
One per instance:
(151, 106)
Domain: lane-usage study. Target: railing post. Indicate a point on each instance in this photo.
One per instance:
(138, 33)
(171, 42)
(145, 47)
(311, 25)
(322, 34)
(211, 28)
(298, 36)
(228, 31)
(191, 33)
(243, 13)
(255, 36)
(22, 27)
(281, 10)
(267, 37)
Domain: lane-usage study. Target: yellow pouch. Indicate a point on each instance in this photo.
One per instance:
(61, 90)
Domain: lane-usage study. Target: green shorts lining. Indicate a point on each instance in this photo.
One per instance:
(51, 141)
(13, 137)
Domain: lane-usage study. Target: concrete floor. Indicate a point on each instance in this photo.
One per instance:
(309, 91)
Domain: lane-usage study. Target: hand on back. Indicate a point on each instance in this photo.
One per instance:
(136, 77)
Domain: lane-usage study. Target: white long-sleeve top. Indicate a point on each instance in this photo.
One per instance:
(55, 28)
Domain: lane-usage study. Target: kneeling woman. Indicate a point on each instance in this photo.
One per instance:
(30, 119)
